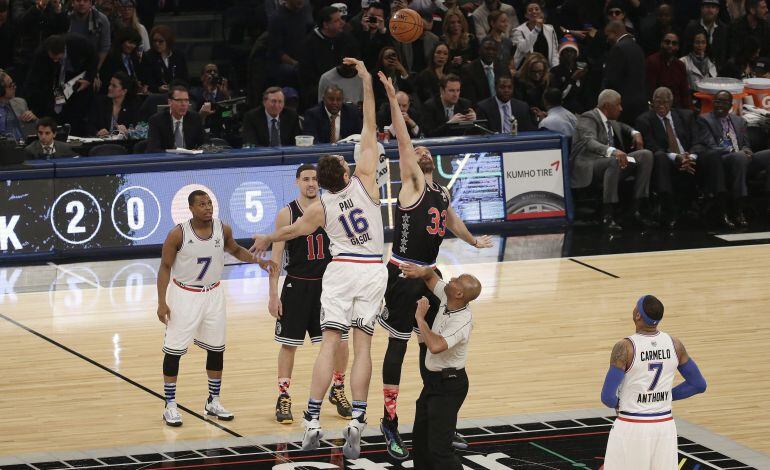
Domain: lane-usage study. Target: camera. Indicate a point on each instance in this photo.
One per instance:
(371, 19)
(214, 78)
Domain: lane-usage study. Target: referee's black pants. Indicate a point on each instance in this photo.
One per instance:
(435, 420)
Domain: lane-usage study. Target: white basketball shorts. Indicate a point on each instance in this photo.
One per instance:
(641, 446)
(352, 295)
(196, 315)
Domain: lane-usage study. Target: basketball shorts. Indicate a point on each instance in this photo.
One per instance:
(301, 307)
(352, 295)
(401, 296)
(197, 316)
(641, 446)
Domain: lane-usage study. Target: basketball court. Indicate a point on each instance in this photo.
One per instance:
(82, 385)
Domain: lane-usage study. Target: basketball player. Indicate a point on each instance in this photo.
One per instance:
(639, 386)
(354, 282)
(193, 310)
(423, 214)
(298, 310)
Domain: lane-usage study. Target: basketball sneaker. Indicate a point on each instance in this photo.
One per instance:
(171, 415)
(396, 447)
(352, 435)
(458, 442)
(337, 397)
(214, 408)
(283, 409)
(313, 433)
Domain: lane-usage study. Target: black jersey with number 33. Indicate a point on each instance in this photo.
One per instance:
(420, 228)
(306, 257)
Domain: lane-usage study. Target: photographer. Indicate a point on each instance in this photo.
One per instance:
(213, 89)
(371, 33)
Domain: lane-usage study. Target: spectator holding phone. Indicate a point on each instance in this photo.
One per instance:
(371, 33)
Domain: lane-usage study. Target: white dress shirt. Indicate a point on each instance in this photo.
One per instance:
(672, 156)
(455, 327)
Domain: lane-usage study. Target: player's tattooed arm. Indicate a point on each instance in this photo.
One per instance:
(681, 352)
(621, 354)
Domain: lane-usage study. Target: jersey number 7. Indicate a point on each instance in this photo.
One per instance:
(658, 368)
(206, 262)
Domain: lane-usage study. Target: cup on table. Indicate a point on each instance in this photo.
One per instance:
(303, 140)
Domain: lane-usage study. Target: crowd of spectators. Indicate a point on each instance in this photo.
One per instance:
(617, 76)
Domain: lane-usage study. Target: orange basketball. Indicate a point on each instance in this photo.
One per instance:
(406, 25)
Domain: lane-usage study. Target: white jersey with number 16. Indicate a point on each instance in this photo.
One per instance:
(353, 221)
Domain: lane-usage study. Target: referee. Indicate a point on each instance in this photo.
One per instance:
(445, 384)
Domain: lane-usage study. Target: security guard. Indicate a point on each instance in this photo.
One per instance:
(445, 383)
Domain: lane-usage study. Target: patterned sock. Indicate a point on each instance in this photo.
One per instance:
(359, 408)
(391, 402)
(314, 408)
(214, 385)
(339, 378)
(170, 390)
(283, 385)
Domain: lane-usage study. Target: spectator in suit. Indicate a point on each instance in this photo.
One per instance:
(536, 36)
(90, 23)
(272, 124)
(332, 119)
(214, 88)
(462, 44)
(45, 147)
(417, 55)
(411, 117)
(676, 140)
(531, 82)
(624, 71)
(16, 120)
(715, 31)
(163, 63)
(751, 25)
(324, 48)
(498, 32)
(499, 109)
(480, 16)
(390, 64)
(697, 63)
(427, 82)
(117, 111)
(478, 76)
(60, 60)
(663, 69)
(599, 156)
(727, 134)
(558, 119)
(447, 108)
(178, 127)
(124, 57)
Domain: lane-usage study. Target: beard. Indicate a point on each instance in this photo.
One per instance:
(426, 165)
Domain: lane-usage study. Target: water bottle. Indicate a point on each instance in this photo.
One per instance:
(514, 125)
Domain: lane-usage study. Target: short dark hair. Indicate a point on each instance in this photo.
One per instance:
(126, 34)
(176, 87)
(653, 307)
(503, 76)
(552, 96)
(270, 91)
(325, 15)
(450, 77)
(331, 173)
(752, 4)
(486, 40)
(305, 167)
(55, 44)
(721, 92)
(376, 5)
(191, 197)
(126, 82)
(47, 122)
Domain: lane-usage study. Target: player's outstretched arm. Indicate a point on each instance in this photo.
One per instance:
(426, 273)
(694, 383)
(168, 255)
(411, 174)
(313, 218)
(435, 342)
(274, 306)
(619, 360)
(366, 167)
(456, 225)
(241, 253)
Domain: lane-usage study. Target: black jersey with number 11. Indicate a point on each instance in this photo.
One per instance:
(306, 257)
(420, 228)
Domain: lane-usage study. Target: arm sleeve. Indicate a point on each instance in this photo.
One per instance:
(611, 384)
(693, 384)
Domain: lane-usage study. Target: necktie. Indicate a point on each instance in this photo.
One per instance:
(506, 119)
(333, 128)
(178, 138)
(275, 134)
(610, 135)
(127, 64)
(48, 151)
(729, 134)
(490, 73)
(448, 112)
(673, 146)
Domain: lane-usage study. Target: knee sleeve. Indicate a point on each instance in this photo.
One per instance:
(215, 360)
(171, 365)
(394, 359)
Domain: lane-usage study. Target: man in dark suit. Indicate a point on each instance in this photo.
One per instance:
(479, 75)
(716, 32)
(45, 147)
(178, 127)
(332, 120)
(599, 156)
(677, 142)
(446, 109)
(499, 109)
(727, 135)
(272, 124)
(624, 71)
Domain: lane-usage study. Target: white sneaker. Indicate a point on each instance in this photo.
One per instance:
(313, 433)
(214, 408)
(352, 434)
(171, 415)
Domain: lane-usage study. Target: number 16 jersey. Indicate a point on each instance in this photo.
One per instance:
(353, 223)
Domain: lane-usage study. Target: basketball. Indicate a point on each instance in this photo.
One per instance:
(406, 25)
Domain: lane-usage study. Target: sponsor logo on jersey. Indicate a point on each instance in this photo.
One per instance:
(288, 285)
(217, 242)
(189, 241)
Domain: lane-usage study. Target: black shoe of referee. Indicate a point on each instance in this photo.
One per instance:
(458, 442)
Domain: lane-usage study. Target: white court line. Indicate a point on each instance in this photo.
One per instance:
(70, 273)
(741, 237)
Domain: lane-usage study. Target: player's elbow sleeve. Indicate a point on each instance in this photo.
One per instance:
(693, 376)
(612, 381)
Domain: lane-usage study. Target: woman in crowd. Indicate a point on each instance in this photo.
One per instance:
(117, 111)
(426, 83)
(536, 36)
(389, 63)
(498, 29)
(463, 46)
(697, 62)
(531, 83)
(127, 11)
(163, 64)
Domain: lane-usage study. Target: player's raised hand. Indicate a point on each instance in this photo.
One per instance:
(359, 65)
(164, 313)
(411, 271)
(484, 241)
(422, 308)
(260, 246)
(388, 84)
